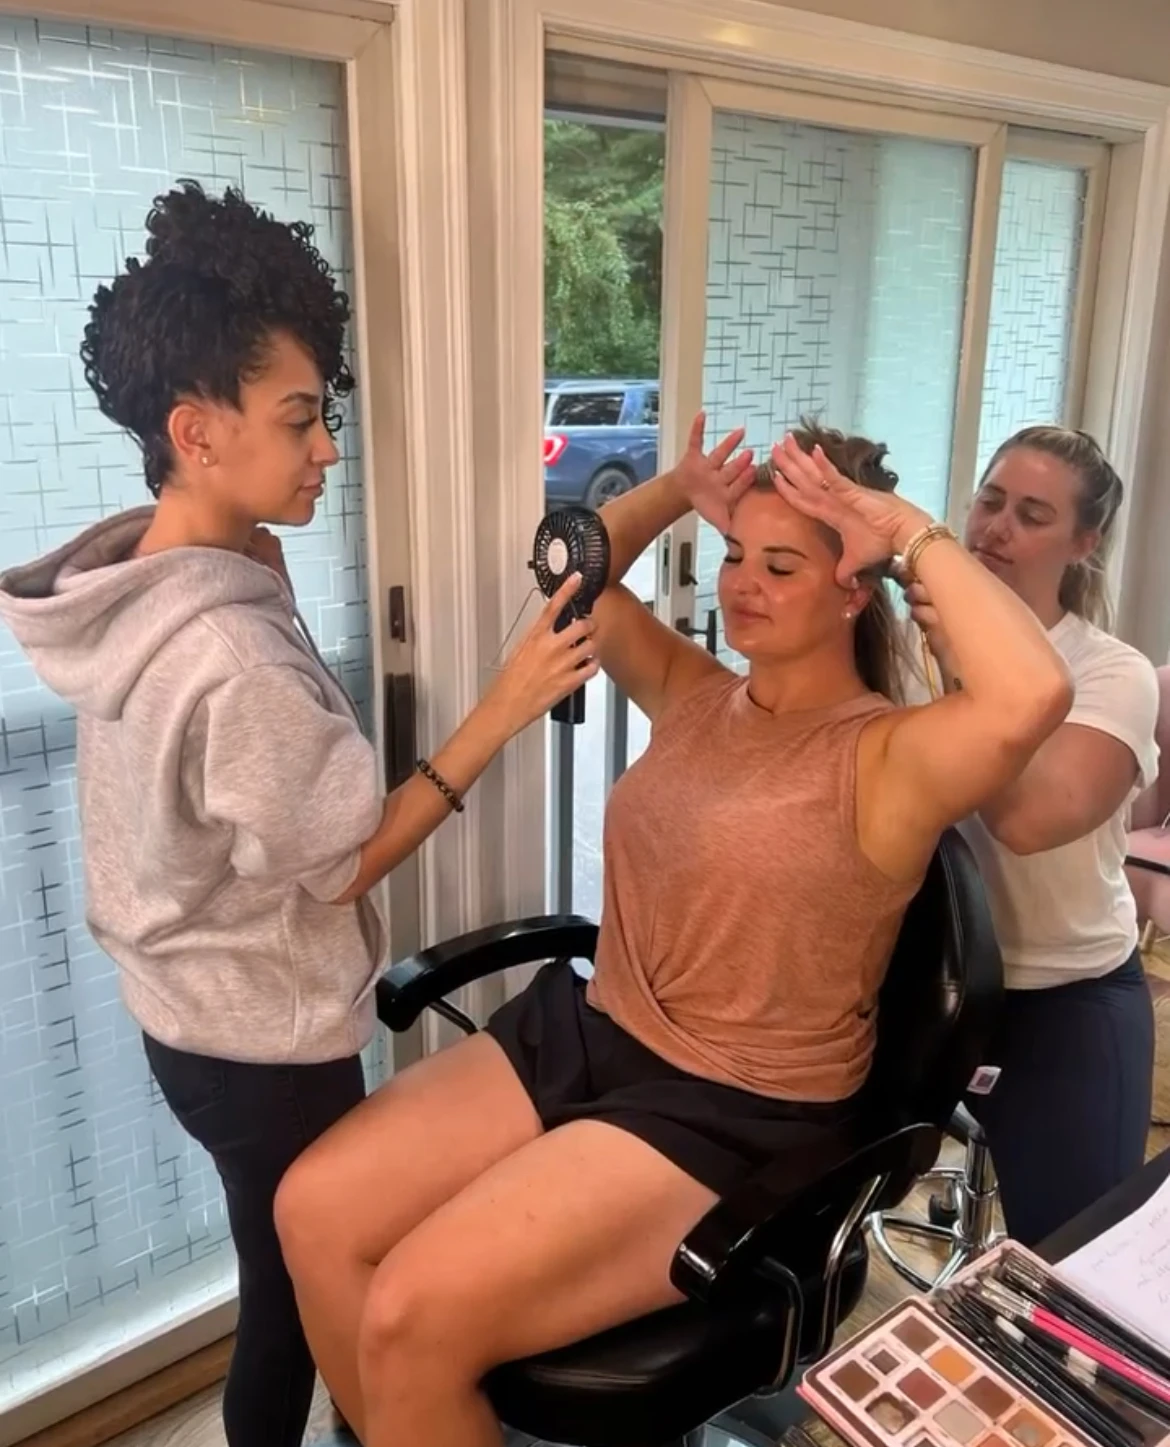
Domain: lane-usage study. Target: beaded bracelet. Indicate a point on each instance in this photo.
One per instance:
(448, 793)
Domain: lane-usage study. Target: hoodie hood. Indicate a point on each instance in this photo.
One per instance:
(91, 618)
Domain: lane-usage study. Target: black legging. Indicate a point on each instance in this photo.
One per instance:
(254, 1120)
(1069, 1116)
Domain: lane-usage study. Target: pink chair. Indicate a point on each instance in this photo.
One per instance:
(1147, 862)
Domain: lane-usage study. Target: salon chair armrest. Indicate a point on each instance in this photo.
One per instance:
(794, 1208)
(407, 988)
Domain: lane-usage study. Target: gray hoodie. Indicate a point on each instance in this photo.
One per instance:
(225, 789)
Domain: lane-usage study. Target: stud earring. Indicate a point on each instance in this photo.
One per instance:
(204, 459)
(848, 613)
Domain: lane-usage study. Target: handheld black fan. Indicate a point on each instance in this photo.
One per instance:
(571, 540)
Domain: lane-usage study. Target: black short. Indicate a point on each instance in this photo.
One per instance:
(576, 1064)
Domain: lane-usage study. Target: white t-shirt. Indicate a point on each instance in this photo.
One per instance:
(1068, 913)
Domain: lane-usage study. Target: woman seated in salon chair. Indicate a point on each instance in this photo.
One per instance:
(528, 1187)
(1069, 1116)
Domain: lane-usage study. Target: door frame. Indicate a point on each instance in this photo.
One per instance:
(692, 104)
(761, 45)
(406, 96)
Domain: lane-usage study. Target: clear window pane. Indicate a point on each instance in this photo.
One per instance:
(111, 1219)
(1033, 298)
(603, 268)
(587, 409)
(837, 270)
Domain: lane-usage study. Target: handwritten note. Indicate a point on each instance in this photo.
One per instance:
(1127, 1269)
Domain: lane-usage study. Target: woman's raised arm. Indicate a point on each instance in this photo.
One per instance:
(647, 659)
(932, 766)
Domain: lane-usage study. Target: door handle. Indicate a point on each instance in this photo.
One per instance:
(709, 633)
(398, 726)
(686, 566)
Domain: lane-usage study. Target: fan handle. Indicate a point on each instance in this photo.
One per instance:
(571, 710)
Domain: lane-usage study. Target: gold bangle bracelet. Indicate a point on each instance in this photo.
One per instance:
(918, 544)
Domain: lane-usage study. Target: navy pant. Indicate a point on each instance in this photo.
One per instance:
(1069, 1116)
(254, 1120)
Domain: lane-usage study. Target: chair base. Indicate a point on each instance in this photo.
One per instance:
(972, 1235)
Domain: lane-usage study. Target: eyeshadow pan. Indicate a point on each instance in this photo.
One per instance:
(854, 1381)
(995, 1440)
(960, 1425)
(915, 1334)
(989, 1397)
(884, 1361)
(1028, 1430)
(891, 1413)
(922, 1390)
(951, 1365)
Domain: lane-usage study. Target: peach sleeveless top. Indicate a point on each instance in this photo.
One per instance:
(744, 934)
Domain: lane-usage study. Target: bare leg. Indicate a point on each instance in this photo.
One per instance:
(569, 1235)
(370, 1180)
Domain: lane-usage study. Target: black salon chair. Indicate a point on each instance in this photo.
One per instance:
(771, 1270)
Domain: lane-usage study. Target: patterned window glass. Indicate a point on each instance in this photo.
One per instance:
(836, 277)
(111, 1220)
(1033, 297)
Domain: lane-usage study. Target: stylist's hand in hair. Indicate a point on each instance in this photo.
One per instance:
(713, 482)
(873, 526)
(925, 614)
(545, 665)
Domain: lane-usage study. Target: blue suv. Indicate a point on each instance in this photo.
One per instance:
(600, 439)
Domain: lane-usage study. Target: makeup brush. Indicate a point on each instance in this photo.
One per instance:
(1096, 1376)
(1041, 1386)
(1104, 1416)
(1023, 1362)
(1069, 1305)
(1018, 1309)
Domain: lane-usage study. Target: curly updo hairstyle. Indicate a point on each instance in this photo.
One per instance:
(196, 318)
(880, 650)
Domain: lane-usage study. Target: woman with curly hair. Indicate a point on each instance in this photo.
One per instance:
(232, 823)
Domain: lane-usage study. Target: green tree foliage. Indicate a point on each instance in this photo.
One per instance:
(603, 249)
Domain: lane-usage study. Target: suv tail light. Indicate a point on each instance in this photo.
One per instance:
(554, 447)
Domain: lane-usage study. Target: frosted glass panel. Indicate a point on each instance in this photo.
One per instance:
(109, 1217)
(837, 269)
(1037, 258)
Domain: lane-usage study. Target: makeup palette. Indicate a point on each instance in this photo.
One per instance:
(948, 1370)
(909, 1382)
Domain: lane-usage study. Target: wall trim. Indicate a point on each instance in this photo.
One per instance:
(434, 240)
(758, 44)
(777, 40)
(142, 1357)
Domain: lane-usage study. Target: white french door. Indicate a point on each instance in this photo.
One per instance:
(925, 280)
(115, 1258)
